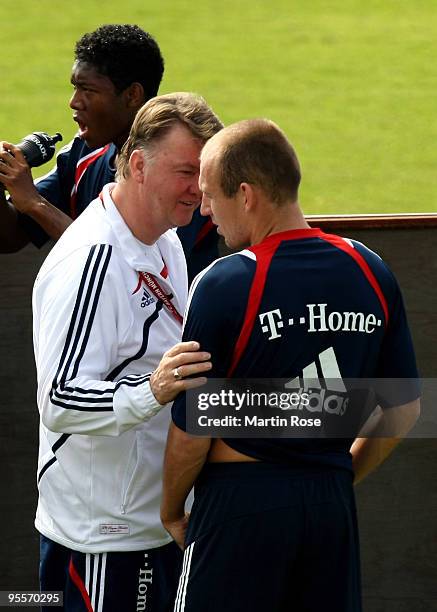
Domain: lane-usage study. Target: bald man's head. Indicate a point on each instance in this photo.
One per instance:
(255, 151)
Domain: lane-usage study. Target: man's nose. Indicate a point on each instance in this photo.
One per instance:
(194, 188)
(205, 208)
(76, 102)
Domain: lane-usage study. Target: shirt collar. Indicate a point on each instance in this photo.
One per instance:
(140, 256)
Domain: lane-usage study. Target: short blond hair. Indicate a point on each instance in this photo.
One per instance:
(158, 115)
(255, 151)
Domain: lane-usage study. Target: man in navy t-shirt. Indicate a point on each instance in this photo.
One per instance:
(273, 526)
(117, 69)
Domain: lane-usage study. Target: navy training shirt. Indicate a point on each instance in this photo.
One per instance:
(79, 176)
(300, 300)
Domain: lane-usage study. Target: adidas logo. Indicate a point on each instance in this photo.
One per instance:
(322, 383)
(146, 299)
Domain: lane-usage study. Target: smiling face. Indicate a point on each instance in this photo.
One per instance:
(103, 114)
(170, 188)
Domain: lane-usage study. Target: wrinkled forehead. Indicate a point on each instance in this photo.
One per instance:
(177, 138)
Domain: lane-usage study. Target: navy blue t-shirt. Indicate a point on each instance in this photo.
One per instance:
(301, 301)
(78, 178)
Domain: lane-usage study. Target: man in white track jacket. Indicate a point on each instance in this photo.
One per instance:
(107, 306)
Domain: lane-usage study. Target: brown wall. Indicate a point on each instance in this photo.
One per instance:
(397, 505)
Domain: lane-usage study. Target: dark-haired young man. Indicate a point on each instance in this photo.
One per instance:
(116, 69)
(273, 526)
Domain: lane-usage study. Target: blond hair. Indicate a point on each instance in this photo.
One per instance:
(158, 115)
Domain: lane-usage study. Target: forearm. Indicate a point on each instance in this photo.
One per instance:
(16, 177)
(91, 405)
(184, 459)
(392, 425)
(52, 220)
(369, 453)
(95, 407)
(12, 236)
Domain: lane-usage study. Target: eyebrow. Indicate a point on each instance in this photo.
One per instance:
(79, 80)
(187, 165)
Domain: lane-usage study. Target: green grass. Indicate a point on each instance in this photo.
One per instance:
(352, 83)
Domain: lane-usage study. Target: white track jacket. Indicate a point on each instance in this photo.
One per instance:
(98, 334)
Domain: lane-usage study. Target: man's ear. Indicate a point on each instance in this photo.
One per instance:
(247, 196)
(134, 95)
(137, 165)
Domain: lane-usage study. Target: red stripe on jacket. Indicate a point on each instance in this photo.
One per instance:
(81, 167)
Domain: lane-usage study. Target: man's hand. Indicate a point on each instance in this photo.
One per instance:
(16, 176)
(184, 458)
(170, 377)
(384, 433)
(177, 529)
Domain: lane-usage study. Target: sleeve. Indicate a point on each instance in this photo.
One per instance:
(214, 317)
(398, 378)
(76, 337)
(55, 187)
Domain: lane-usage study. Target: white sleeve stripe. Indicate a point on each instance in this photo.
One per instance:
(88, 155)
(249, 254)
(194, 284)
(201, 274)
